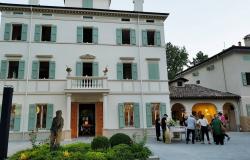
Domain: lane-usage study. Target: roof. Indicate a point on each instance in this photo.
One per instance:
(179, 79)
(192, 91)
(225, 52)
(74, 10)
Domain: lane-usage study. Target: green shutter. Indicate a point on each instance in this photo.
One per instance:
(21, 68)
(132, 37)
(52, 69)
(79, 34)
(149, 114)
(144, 38)
(17, 121)
(7, 31)
(95, 69)
(119, 71)
(78, 68)
(244, 78)
(163, 109)
(121, 115)
(153, 71)
(4, 68)
(118, 36)
(32, 117)
(53, 33)
(35, 69)
(95, 35)
(49, 117)
(38, 30)
(248, 110)
(24, 32)
(158, 38)
(137, 115)
(87, 3)
(134, 71)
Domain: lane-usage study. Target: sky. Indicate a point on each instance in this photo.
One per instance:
(200, 25)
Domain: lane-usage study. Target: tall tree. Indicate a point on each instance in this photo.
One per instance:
(177, 58)
(200, 57)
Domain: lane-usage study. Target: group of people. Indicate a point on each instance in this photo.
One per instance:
(198, 127)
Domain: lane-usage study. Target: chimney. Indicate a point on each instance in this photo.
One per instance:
(239, 43)
(138, 5)
(34, 2)
(247, 40)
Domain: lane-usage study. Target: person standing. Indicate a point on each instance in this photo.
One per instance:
(164, 126)
(158, 128)
(224, 122)
(56, 130)
(217, 131)
(191, 123)
(204, 128)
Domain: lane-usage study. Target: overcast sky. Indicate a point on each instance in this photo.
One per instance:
(199, 25)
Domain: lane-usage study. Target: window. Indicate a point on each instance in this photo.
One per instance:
(129, 115)
(125, 36)
(44, 70)
(87, 69)
(179, 84)
(87, 38)
(13, 69)
(195, 73)
(248, 78)
(151, 37)
(125, 19)
(127, 71)
(46, 33)
(47, 14)
(150, 21)
(87, 17)
(15, 117)
(41, 111)
(16, 31)
(210, 68)
(155, 112)
(198, 82)
(18, 13)
(153, 70)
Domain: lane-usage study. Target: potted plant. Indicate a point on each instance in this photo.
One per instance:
(105, 71)
(68, 70)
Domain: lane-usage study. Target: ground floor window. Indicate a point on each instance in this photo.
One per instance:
(155, 109)
(41, 111)
(129, 115)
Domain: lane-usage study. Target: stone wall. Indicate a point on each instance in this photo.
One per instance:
(245, 123)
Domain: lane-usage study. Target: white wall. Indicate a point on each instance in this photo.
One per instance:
(100, 4)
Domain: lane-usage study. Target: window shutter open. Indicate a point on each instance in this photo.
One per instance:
(38, 30)
(79, 34)
(132, 37)
(163, 109)
(35, 69)
(95, 35)
(95, 69)
(4, 68)
(118, 36)
(7, 31)
(87, 3)
(17, 121)
(137, 115)
(49, 117)
(24, 32)
(21, 68)
(121, 115)
(32, 117)
(149, 114)
(244, 78)
(153, 71)
(134, 71)
(158, 38)
(79, 68)
(144, 38)
(53, 33)
(52, 69)
(119, 71)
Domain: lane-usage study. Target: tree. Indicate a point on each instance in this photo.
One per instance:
(177, 58)
(200, 57)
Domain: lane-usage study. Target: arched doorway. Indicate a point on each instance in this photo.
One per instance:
(229, 113)
(178, 113)
(206, 109)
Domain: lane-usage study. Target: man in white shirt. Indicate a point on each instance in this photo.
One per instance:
(204, 128)
(191, 123)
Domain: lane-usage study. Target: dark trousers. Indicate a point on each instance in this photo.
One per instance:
(188, 134)
(219, 139)
(204, 130)
(163, 134)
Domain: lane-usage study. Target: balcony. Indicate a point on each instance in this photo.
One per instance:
(86, 85)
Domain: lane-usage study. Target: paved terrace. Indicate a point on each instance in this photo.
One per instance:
(238, 148)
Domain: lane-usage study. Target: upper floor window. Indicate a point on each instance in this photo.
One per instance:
(150, 21)
(45, 33)
(153, 70)
(87, 69)
(245, 78)
(87, 35)
(43, 69)
(125, 37)
(12, 69)
(151, 38)
(127, 71)
(16, 32)
(125, 19)
(179, 84)
(87, 3)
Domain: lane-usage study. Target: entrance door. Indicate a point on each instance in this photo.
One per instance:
(86, 121)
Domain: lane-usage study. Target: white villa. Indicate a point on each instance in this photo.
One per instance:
(119, 78)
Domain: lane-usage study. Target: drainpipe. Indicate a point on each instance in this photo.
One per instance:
(224, 75)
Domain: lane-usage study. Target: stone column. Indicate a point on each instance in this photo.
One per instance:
(105, 111)
(68, 113)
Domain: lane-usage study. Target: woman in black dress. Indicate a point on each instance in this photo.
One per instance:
(158, 128)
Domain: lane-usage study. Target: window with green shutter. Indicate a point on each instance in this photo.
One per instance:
(53, 33)
(153, 71)
(87, 4)
(7, 31)
(163, 109)
(24, 34)
(21, 69)
(79, 34)
(118, 36)
(35, 70)
(121, 115)
(49, 116)
(158, 38)
(95, 35)
(4, 68)
(37, 35)
(132, 37)
(32, 117)
(134, 71)
(119, 69)
(149, 114)
(245, 78)
(137, 115)
(144, 38)
(17, 117)
(95, 68)
(52, 69)
(79, 68)
(13, 69)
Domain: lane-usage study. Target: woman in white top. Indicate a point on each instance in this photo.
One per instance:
(204, 128)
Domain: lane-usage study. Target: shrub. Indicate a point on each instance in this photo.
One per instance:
(95, 156)
(123, 152)
(140, 152)
(77, 147)
(120, 138)
(100, 143)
